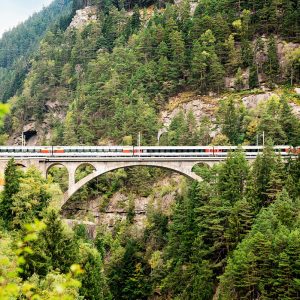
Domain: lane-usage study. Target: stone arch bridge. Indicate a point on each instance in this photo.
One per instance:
(183, 165)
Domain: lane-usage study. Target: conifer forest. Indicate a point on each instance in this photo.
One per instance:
(125, 73)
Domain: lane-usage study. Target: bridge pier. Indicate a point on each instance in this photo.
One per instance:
(182, 167)
(103, 165)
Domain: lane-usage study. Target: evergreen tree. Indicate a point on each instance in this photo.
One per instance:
(289, 123)
(12, 185)
(272, 64)
(55, 248)
(231, 117)
(239, 83)
(253, 76)
(177, 50)
(263, 262)
(234, 55)
(31, 199)
(93, 284)
(232, 177)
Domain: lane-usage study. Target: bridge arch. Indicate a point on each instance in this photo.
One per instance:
(80, 168)
(183, 169)
(56, 164)
(61, 176)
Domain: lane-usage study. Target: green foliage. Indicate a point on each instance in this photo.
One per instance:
(32, 197)
(53, 286)
(232, 178)
(93, 284)
(272, 64)
(18, 45)
(266, 178)
(12, 186)
(54, 249)
(231, 119)
(266, 262)
(239, 83)
(127, 276)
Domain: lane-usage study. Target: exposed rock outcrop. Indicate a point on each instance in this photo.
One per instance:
(83, 17)
(201, 106)
(92, 212)
(252, 101)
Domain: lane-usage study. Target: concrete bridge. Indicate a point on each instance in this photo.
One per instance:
(102, 165)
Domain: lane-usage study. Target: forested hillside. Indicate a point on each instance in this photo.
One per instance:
(81, 80)
(111, 70)
(20, 43)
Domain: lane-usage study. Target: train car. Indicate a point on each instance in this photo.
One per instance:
(173, 151)
(25, 151)
(295, 150)
(283, 150)
(93, 151)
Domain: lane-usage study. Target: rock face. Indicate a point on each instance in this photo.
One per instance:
(201, 106)
(230, 81)
(283, 49)
(83, 17)
(90, 226)
(296, 109)
(165, 192)
(35, 132)
(253, 100)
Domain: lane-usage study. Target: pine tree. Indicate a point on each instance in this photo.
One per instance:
(55, 249)
(272, 64)
(253, 76)
(177, 50)
(231, 120)
(12, 185)
(93, 284)
(289, 123)
(216, 74)
(234, 55)
(239, 222)
(260, 178)
(199, 66)
(238, 82)
(232, 177)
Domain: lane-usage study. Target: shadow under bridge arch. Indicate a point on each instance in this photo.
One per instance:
(182, 167)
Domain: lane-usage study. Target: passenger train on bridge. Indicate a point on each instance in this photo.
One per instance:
(133, 151)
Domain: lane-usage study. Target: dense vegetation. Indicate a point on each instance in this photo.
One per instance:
(238, 229)
(233, 236)
(137, 61)
(18, 45)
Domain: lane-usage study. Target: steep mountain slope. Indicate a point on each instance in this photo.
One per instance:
(81, 79)
(19, 44)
